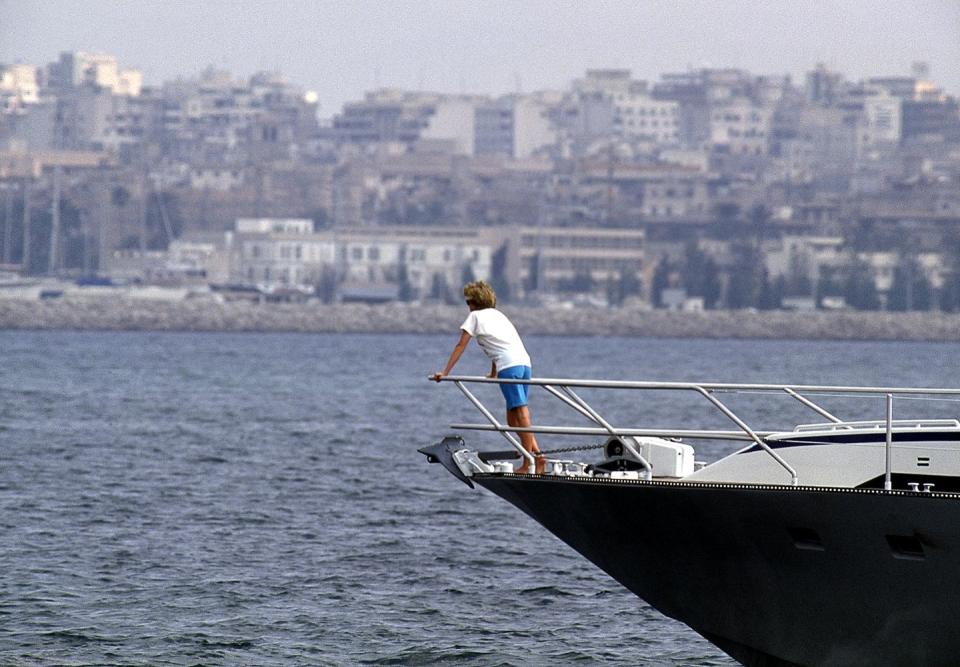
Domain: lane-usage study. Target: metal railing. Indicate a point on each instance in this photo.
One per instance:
(562, 388)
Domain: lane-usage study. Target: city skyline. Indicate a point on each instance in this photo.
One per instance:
(342, 51)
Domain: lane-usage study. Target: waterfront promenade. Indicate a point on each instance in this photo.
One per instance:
(120, 314)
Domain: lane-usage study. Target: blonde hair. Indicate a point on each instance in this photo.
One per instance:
(480, 295)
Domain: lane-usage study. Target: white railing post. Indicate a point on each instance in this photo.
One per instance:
(887, 481)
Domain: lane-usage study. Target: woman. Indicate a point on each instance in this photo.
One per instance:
(499, 339)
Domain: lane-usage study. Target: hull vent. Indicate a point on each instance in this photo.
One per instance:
(806, 539)
(906, 547)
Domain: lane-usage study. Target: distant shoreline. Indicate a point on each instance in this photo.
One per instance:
(125, 314)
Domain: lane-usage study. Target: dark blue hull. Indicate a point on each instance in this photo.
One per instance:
(771, 575)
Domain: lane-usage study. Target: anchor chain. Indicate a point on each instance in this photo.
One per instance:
(564, 450)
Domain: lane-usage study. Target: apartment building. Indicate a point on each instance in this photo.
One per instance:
(427, 255)
(514, 126)
(558, 259)
(217, 117)
(78, 68)
(18, 87)
(280, 252)
(289, 252)
(676, 194)
(741, 126)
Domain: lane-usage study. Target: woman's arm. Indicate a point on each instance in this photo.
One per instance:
(454, 356)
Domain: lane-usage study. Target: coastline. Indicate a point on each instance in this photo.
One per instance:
(130, 314)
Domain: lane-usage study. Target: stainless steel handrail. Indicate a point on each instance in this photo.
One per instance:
(705, 389)
(493, 420)
(757, 439)
(639, 432)
(813, 406)
(718, 386)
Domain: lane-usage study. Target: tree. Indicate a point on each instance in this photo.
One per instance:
(859, 289)
(949, 298)
(727, 215)
(798, 281)
(440, 288)
(533, 274)
(498, 274)
(119, 196)
(910, 289)
(759, 218)
(580, 283)
(771, 293)
(747, 276)
(620, 286)
(701, 276)
(466, 274)
(326, 287)
(661, 281)
(405, 291)
(827, 285)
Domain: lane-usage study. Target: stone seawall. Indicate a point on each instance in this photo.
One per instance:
(123, 314)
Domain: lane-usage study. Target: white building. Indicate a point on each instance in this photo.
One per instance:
(635, 114)
(560, 255)
(77, 68)
(676, 193)
(221, 178)
(276, 252)
(741, 126)
(514, 126)
(274, 226)
(639, 116)
(426, 254)
(805, 257)
(202, 256)
(18, 87)
(453, 121)
(880, 123)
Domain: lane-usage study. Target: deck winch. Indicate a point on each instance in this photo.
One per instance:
(666, 458)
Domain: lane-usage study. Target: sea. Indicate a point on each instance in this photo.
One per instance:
(257, 499)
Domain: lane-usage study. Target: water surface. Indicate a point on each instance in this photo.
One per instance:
(258, 499)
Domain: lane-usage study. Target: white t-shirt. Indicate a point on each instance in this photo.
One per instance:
(498, 338)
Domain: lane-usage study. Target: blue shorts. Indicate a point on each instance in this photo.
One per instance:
(516, 394)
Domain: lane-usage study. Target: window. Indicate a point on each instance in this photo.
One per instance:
(373, 252)
(356, 253)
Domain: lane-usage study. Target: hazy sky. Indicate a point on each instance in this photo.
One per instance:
(341, 49)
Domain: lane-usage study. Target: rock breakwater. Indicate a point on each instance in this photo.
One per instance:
(123, 314)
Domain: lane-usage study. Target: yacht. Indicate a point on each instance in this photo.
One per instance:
(827, 543)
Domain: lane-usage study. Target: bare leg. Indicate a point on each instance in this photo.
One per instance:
(521, 417)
